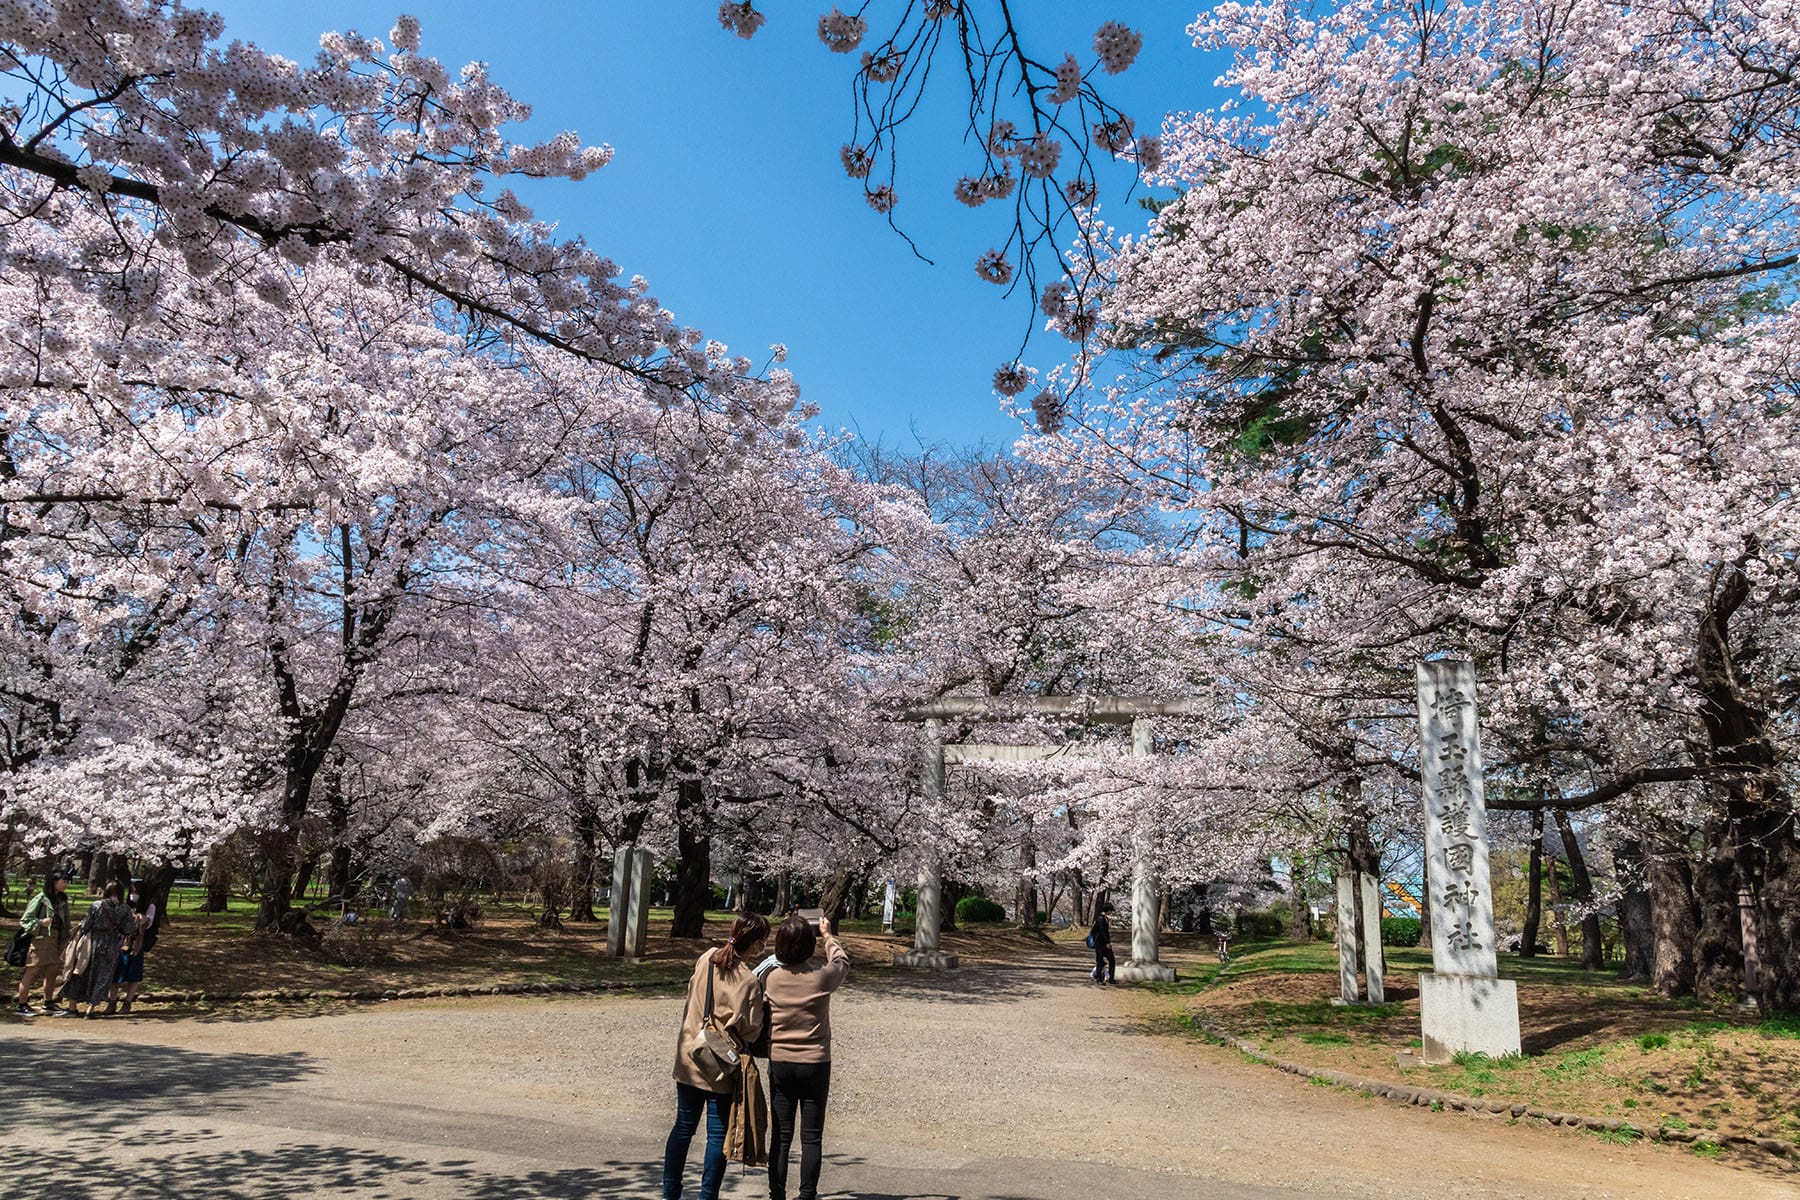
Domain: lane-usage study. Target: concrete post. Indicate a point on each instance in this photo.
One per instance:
(628, 920)
(1349, 990)
(1371, 923)
(1146, 896)
(637, 912)
(617, 902)
(928, 909)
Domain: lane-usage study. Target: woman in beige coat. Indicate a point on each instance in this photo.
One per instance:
(737, 1011)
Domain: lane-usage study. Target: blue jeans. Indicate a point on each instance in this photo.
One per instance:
(689, 1102)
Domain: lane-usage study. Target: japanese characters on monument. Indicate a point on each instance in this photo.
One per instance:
(1462, 905)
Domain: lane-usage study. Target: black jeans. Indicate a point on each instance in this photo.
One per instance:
(804, 1086)
(1104, 963)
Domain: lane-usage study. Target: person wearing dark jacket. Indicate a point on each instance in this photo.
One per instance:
(47, 921)
(1100, 938)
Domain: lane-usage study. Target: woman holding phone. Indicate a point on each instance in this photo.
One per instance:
(799, 990)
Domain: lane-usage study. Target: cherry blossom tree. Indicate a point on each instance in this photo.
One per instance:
(1456, 332)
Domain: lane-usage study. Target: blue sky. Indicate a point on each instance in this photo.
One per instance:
(726, 192)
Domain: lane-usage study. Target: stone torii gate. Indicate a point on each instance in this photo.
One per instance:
(1136, 711)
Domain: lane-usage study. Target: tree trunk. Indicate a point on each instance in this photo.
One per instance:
(585, 821)
(158, 881)
(218, 885)
(693, 872)
(1634, 912)
(1673, 925)
(1778, 923)
(1593, 955)
(1300, 927)
(836, 899)
(303, 880)
(1759, 820)
(1425, 908)
(1534, 888)
(6, 843)
(1027, 903)
(1559, 926)
(1719, 948)
(952, 890)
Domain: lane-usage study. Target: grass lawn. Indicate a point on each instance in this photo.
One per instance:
(1592, 1045)
(221, 953)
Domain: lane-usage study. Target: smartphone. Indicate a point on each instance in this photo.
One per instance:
(812, 916)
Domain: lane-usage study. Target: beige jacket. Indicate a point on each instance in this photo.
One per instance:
(800, 1005)
(737, 1009)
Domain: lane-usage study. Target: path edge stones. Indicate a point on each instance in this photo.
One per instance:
(1431, 1098)
(381, 995)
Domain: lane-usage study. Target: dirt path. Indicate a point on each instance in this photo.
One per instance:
(996, 1082)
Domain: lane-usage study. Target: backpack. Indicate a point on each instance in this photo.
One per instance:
(1090, 939)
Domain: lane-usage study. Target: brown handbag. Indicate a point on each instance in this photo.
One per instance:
(713, 1051)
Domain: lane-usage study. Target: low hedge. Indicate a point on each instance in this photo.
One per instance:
(979, 910)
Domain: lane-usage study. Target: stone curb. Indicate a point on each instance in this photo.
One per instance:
(1427, 1097)
(381, 995)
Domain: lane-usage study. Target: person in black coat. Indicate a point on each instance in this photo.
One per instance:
(1100, 938)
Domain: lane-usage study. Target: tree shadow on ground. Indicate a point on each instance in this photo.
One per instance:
(47, 1079)
(197, 1165)
(978, 983)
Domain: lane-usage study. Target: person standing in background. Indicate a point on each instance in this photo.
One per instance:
(47, 922)
(1099, 939)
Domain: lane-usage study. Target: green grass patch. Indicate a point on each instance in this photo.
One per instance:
(1325, 1039)
(1653, 1041)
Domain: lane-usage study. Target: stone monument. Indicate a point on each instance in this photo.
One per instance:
(928, 908)
(1359, 909)
(1144, 964)
(628, 924)
(1359, 906)
(1463, 1003)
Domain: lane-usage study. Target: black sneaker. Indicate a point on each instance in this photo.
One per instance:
(65, 1011)
(25, 1010)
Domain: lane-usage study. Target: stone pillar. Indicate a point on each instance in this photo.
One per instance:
(637, 909)
(1463, 1003)
(928, 909)
(616, 903)
(1349, 990)
(1371, 925)
(1146, 896)
(628, 919)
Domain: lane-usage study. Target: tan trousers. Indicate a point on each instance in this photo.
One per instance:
(43, 962)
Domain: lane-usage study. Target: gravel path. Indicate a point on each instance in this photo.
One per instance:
(994, 1082)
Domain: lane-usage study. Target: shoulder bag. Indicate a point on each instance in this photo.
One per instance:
(713, 1052)
(21, 941)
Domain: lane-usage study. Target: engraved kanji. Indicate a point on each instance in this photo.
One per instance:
(1460, 856)
(1458, 819)
(1459, 894)
(1461, 936)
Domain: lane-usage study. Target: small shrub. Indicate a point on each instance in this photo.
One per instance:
(359, 943)
(1653, 1041)
(1265, 926)
(1043, 918)
(1399, 931)
(979, 910)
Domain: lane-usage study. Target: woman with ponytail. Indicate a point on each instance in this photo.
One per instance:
(725, 994)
